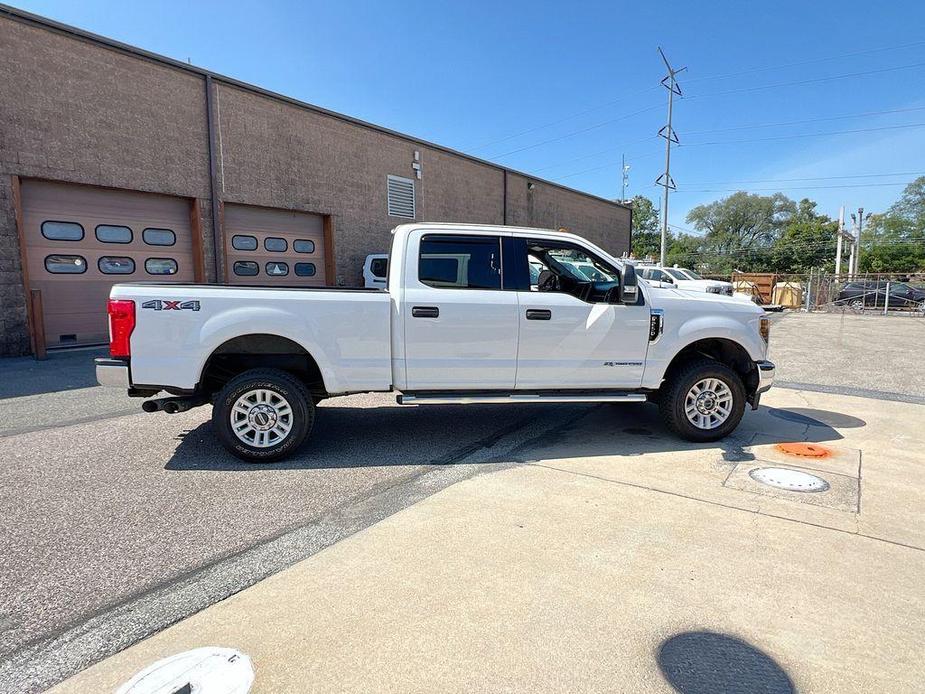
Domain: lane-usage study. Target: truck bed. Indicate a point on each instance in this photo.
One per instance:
(179, 326)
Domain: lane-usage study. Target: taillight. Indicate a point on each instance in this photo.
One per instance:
(121, 325)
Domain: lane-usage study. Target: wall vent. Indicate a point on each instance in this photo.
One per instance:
(401, 197)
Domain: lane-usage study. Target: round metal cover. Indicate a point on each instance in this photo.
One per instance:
(207, 670)
(791, 480)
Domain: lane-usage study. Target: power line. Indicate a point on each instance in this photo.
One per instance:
(814, 178)
(564, 119)
(808, 120)
(808, 81)
(803, 135)
(595, 154)
(604, 166)
(778, 190)
(574, 132)
(811, 61)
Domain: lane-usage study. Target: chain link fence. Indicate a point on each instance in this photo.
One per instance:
(885, 294)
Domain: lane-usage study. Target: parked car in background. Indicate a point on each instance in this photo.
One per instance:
(682, 278)
(375, 270)
(873, 294)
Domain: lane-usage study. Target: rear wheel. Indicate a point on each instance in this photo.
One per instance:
(704, 400)
(263, 415)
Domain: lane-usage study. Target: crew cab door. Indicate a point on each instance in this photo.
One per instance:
(460, 326)
(570, 337)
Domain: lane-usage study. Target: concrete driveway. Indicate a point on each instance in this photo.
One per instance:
(604, 556)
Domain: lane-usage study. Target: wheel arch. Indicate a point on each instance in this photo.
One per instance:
(260, 350)
(724, 350)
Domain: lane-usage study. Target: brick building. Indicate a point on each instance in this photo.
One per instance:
(117, 164)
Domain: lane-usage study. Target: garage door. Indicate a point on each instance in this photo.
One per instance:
(81, 240)
(269, 246)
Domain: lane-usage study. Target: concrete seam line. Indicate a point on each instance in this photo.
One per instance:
(40, 664)
(730, 506)
(856, 392)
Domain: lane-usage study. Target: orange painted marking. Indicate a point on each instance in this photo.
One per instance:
(805, 450)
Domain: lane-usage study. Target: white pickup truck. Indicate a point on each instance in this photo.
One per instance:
(472, 314)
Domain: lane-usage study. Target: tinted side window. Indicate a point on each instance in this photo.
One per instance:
(379, 267)
(457, 262)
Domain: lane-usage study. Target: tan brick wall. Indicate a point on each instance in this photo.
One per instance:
(76, 110)
(552, 207)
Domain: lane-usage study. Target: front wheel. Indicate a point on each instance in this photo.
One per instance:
(263, 415)
(704, 400)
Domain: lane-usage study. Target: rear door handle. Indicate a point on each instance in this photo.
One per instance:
(539, 314)
(425, 312)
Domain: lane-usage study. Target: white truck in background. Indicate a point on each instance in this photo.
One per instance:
(683, 278)
(375, 270)
(472, 314)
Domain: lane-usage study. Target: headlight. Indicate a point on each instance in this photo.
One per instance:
(764, 328)
(714, 290)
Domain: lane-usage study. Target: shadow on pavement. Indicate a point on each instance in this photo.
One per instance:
(817, 418)
(355, 437)
(698, 662)
(67, 370)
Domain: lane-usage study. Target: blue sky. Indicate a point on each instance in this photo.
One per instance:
(561, 90)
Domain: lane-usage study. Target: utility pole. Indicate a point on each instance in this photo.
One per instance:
(858, 222)
(626, 177)
(665, 180)
(843, 235)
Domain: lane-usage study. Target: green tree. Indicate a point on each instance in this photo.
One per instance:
(895, 241)
(807, 242)
(646, 229)
(740, 230)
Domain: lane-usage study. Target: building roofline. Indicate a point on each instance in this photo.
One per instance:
(23, 16)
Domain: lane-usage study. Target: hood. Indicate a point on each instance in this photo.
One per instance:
(663, 294)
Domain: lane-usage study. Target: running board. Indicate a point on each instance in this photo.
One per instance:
(515, 398)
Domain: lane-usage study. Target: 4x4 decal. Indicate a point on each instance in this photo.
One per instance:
(164, 305)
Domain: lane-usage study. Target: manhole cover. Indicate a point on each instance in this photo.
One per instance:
(804, 450)
(791, 480)
(207, 670)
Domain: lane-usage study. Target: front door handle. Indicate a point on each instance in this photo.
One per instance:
(425, 312)
(539, 314)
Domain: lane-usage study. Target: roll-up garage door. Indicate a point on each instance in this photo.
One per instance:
(269, 246)
(81, 240)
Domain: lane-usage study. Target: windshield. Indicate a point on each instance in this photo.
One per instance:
(677, 274)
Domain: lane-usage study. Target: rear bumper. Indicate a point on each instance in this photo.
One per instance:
(112, 373)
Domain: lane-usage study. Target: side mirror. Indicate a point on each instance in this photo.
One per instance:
(629, 285)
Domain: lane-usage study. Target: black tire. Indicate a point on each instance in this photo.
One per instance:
(283, 384)
(674, 392)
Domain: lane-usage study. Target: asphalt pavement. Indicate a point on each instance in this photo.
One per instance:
(119, 523)
(114, 518)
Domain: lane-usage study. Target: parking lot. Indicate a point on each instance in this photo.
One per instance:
(467, 548)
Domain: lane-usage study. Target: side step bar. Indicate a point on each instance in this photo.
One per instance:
(515, 398)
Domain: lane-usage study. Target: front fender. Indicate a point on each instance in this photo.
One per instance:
(678, 337)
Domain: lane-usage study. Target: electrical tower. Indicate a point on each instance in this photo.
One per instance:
(665, 180)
